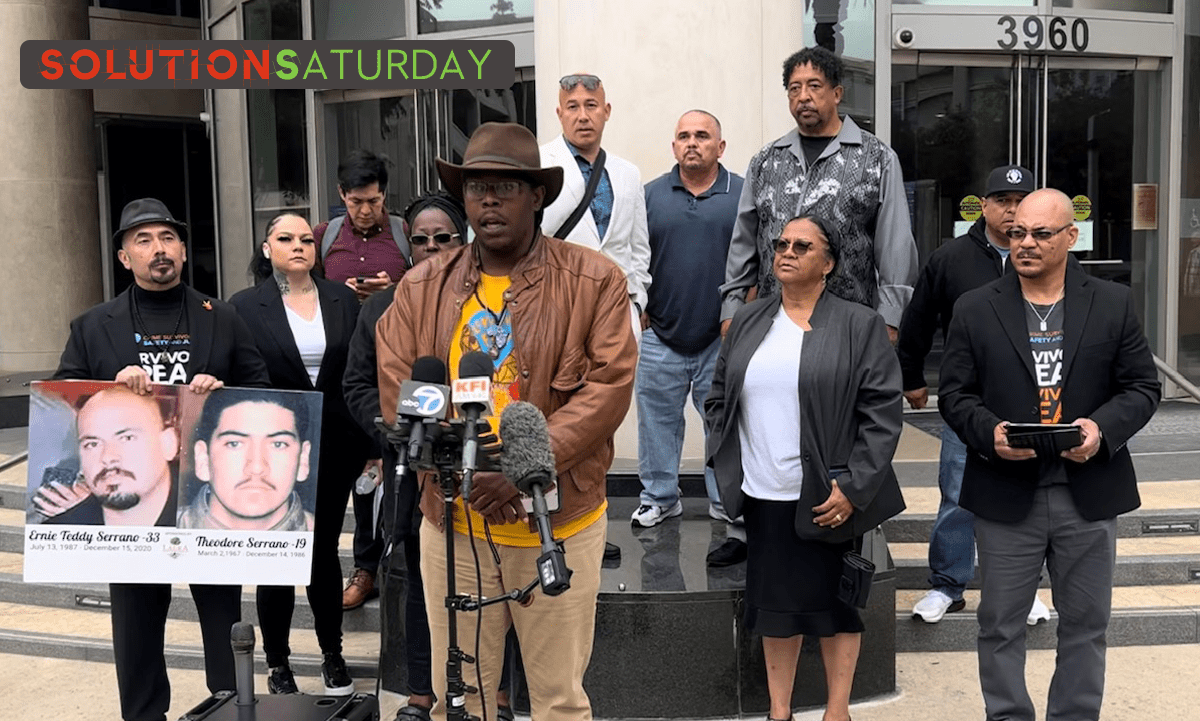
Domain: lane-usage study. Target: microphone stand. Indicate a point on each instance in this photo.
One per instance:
(448, 465)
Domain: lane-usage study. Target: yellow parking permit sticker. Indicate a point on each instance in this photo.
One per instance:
(970, 208)
(1082, 206)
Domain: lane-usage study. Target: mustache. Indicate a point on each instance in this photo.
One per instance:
(107, 473)
(255, 481)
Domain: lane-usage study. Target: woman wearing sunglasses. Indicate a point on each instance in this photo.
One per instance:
(436, 222)
(803, 418)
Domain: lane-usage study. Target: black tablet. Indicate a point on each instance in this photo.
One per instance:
(1039, 436)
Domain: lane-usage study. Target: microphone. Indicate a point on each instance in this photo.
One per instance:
(423, 397)
(472, 399)
(241, 637)
(529, 463)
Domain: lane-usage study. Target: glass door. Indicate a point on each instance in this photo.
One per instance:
(1089, 126)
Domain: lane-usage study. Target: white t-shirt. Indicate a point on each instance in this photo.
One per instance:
(769, 415)
(310, 340)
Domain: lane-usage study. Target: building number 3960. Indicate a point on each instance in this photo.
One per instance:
(1037, 34)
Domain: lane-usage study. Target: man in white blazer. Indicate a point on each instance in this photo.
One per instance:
(615, 222)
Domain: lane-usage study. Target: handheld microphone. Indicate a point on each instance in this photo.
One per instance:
(529, 463)
(472, 398)
(241, 637)
(423, 397)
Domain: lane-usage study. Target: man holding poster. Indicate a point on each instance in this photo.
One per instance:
(159, 330)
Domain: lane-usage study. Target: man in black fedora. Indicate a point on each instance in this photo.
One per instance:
(160, 331)
(554, 318)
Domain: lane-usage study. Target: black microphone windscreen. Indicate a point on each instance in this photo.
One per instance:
(527, 458)
(241, 636)
(475, 364)
(429, 369)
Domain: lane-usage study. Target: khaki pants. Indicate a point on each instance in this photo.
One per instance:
(555, 633)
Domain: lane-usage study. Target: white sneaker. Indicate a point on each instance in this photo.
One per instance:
(718, 515)
(1037, 613)
(651, 515)
(936, 604)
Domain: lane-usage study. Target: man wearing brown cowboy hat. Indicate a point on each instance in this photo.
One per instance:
(554, 318)
(161, 331)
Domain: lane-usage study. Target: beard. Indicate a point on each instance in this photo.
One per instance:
(114, 499)
(119, 501)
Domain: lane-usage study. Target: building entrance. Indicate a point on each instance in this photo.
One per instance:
(1089, 126)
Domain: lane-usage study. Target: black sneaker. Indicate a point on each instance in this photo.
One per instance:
(281, 680)
(337, 678)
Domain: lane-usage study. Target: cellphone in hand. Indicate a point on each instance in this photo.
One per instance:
(360, 279)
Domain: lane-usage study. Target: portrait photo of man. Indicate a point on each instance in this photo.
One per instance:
(122, 473)
(252, 454)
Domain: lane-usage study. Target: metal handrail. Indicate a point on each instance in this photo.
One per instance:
(14, 460)
(1177, 378)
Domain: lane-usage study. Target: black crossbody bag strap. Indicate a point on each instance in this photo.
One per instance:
(588, 193)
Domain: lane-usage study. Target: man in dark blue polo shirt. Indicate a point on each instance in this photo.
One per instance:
(690, 213)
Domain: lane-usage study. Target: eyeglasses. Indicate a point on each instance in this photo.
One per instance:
(439, 238)
(589, 82)
(799, 247)
(502, 189)
(1041, 235)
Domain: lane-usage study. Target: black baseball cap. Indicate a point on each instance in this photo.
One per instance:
(1009, 178)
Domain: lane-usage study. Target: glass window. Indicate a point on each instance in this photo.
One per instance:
(358, 19)
(1139, 6)
(1189, 245)
(382, 125)
(1144, 6)
(471, 108)
(848, 30)
(180, 8)
(440, 16)
(985, 3)
(277, 124)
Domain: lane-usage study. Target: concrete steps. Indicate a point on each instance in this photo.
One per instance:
(1156, 602)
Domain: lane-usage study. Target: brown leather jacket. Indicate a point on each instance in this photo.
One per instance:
(572, 338)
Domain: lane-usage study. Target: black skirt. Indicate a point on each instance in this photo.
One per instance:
(791, 583)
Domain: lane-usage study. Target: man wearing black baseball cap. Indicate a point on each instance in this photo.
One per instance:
(161, 331)
(965, 263)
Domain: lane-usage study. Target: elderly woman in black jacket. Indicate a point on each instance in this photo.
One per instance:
(803, 419)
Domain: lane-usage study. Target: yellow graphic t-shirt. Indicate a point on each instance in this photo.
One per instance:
(486, 326)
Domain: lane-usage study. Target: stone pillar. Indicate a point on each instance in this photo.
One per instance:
(50, 243)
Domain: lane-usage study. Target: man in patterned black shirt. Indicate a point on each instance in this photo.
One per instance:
(831, 168)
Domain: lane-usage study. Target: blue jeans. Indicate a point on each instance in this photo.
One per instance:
(664, 378)
(952, 541)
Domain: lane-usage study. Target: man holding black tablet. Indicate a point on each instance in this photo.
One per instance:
(1050, 345)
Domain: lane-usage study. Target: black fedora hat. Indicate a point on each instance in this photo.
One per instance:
(147, 210)
(506, 148)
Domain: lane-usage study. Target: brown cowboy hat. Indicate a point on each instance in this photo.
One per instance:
(506, 148)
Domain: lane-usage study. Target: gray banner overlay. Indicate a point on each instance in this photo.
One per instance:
(263, 64)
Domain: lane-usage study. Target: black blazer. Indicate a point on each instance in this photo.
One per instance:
(101, 343)
(850, 411)
(344, 445)
(987, 376)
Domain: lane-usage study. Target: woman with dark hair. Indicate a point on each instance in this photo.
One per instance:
(302, 326)
(803, 418)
